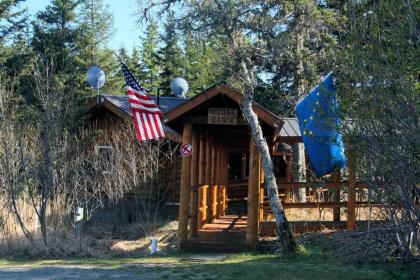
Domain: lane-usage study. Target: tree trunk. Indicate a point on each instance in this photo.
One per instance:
(283, 229)
(299, 170)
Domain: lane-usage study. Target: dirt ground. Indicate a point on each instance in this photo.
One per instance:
(53, 272)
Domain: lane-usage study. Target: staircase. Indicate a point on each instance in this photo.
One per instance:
(225, 234)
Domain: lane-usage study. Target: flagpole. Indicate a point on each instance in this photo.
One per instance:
(119, 58)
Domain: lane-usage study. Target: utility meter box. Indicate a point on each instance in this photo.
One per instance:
(78, 214)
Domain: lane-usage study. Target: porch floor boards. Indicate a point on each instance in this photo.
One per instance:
(225, 234)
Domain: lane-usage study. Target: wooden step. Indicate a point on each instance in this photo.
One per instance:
(214, 247)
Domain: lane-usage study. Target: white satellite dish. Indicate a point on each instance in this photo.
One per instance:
(96, 77)
(179, 87)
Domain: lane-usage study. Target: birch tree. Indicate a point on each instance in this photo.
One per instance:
(246, 28)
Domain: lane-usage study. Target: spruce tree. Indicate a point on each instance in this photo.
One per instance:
(12, 18)
(150, 63)
(171, 55)
(95, 29)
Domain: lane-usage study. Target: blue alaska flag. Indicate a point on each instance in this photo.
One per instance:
(319, 124)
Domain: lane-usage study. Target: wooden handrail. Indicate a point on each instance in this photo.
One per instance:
(326, 185)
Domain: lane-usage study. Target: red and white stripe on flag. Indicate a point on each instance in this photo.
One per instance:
(146, 114)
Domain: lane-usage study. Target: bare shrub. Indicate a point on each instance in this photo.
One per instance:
(379, 92)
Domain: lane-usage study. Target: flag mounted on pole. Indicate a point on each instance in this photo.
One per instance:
(319, 123)
(146, 114)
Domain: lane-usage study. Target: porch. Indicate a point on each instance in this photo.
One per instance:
(212, 180)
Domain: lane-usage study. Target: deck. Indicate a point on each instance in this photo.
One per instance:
(225, 234)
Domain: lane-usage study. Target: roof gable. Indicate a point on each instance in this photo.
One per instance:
(174, 108)
(196, 101)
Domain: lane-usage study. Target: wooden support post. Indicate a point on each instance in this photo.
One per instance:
(288, 159)
(253, 195)
(194, 185)
(184, 196)
(209, 144)
(336, 179)
(223, 183)
(261, 197)
(219, 181)
(202, 199)
(225, 179)
(243, 166)
(351, 200)
(213, 181)
(261, 212)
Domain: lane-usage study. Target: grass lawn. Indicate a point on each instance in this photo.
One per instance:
(311, 263)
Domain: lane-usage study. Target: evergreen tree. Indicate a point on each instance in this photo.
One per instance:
(204, 63)
(13, 24)
(150, 63)
(171, 55)
(56, 34)
(302, 50)
(12, 18)
(95, 29)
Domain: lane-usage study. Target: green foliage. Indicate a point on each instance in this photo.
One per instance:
(95, 23)
(13, 19)
(171, 55)
(303, 51)
(379, 90)
(150, 63)
(313, 264)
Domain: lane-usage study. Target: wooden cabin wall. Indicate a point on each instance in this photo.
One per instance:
(107, 129)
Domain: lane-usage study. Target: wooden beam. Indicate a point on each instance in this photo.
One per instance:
(351, 199)
(327, 185)
(226, 178)
(267, 116)
(194, 185)
(202, 198)
(261, 206)
(219, 181)
(209, 144)
(204, 120)
(213, 189)
(184, 196)
(336, 179)
(253, 195)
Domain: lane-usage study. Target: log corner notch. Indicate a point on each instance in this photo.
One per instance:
(184, 197)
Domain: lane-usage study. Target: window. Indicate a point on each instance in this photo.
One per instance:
(104, 158)
(280, 167)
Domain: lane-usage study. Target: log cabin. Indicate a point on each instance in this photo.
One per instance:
(221, 184)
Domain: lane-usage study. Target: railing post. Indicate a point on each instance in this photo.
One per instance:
(351, 201)
(336, 180)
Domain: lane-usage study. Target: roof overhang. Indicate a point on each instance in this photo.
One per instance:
(196, 101)
(121, 111)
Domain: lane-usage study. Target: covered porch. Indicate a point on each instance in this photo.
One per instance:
(222, 201)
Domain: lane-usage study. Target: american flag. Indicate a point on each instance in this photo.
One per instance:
(146, 114)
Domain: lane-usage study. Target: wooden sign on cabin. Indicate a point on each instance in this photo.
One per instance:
(226, 116)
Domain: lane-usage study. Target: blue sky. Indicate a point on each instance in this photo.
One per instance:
(126, 32)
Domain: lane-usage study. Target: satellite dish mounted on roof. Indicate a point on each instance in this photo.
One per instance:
(96, 78)
(179, 87)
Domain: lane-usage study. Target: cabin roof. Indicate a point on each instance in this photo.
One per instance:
(166, 103)
(175, 107)
(290, 132)
(226, 90)
(119, 105)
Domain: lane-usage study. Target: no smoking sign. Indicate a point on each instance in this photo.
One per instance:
(186, 150)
